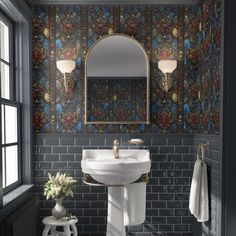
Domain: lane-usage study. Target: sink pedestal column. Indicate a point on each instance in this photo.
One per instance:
(115, 216)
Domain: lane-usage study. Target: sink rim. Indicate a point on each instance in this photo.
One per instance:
(93, 164)
(113, 171)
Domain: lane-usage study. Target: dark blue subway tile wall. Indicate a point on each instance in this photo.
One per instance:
(172, 159)
(214, 166)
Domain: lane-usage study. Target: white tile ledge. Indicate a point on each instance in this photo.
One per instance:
(17, 192)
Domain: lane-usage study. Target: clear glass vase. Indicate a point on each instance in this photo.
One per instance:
(58, 211)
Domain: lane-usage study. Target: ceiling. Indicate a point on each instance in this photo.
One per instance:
(107, 2)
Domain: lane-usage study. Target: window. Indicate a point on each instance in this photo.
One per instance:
(10, 110)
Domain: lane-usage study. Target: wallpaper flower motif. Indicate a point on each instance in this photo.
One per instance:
(40, 61)
(191, 35)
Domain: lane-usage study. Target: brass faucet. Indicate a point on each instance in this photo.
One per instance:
(116, 148)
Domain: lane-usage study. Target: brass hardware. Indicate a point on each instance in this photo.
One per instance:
(145, 178)
(165, 82)
(116, 148)
(68, 83)
(87, 179)
(204, 145)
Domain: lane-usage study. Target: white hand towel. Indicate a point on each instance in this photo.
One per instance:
(195, 188)
(198, 200)
(134, 203)
(203, 215)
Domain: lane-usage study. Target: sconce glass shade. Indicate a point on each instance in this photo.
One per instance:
(66, 66)
(167, 66)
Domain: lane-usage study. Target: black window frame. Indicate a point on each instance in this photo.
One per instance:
(20, 13)
(12, 101)
(11, 63)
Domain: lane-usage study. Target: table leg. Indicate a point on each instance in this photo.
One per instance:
(67, 230)
(53, 230)
(74, 229)
(46, 230)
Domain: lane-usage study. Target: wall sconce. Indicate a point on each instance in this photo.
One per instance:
(167, 67)
(66, 66)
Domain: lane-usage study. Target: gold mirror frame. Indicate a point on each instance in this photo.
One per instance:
(147, 121)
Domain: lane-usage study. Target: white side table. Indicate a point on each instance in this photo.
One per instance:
(51, 223)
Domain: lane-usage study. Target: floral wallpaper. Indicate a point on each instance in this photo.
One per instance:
(191, 35)
(210, 61)
(116, 99)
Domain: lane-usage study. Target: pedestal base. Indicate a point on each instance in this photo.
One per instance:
(115, 216)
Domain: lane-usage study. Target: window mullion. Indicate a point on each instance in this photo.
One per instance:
(5, 160)
(1, 159)
(9, 102)
(0, 74)
(4, 117)
(19, 138)
(1, 156)
(5, 62)
(5, 167)
(12, 89)
(10, 144)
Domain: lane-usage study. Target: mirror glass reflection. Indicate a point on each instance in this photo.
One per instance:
(117, 82)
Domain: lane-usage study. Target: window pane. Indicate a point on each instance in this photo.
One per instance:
(3, 124)
(3, 168)
(11, 124)
(5, 88)
(11, 165)
(4, 30)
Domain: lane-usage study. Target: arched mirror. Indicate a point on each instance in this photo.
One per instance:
(117, 82)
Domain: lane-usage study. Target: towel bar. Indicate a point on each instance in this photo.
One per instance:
(87, 179)
(204, 145)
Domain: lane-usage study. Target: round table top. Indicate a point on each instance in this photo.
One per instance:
(51, 220)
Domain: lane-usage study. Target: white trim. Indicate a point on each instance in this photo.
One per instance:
(17, 192)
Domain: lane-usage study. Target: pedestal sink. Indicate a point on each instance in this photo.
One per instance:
(101, 165)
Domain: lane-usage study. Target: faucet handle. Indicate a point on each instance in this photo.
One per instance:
(116, 142)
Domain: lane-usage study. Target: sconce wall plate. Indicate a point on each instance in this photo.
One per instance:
(165, 83)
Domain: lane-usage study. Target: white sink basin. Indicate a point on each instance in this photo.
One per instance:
(104, 168)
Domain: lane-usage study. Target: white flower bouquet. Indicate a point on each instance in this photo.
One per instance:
(59, 186)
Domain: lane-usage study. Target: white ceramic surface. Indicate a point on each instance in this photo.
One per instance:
(104, 168)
